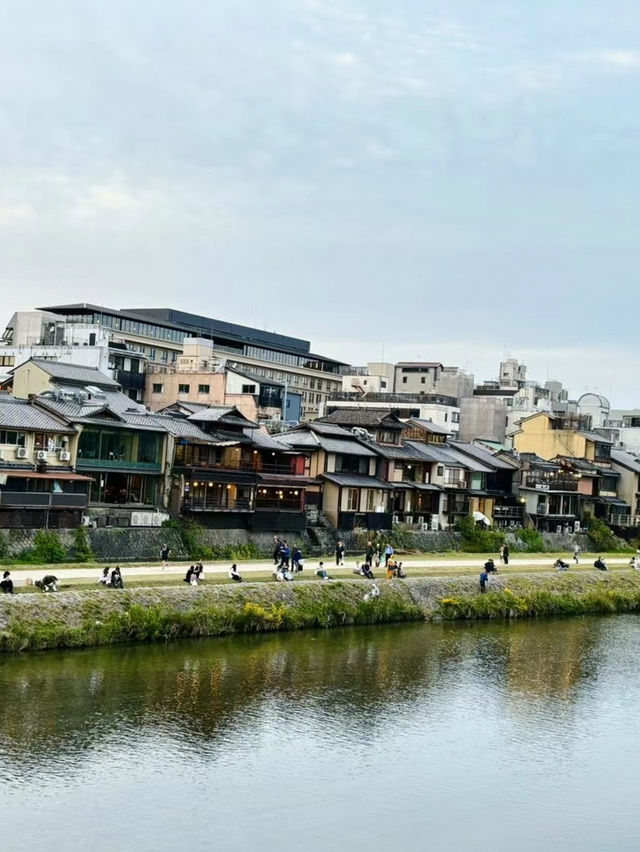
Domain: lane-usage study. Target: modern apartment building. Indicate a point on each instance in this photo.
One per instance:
(159, 334)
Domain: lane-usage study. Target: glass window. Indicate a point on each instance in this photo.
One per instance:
(184, 388)
(203, 388)
(17, 439)
(352, 500)
(157, 387)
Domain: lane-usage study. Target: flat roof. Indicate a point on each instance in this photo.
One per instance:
(200, 326)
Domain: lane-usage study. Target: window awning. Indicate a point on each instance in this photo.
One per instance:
(426, 486)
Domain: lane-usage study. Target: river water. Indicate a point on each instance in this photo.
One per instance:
(448, 737)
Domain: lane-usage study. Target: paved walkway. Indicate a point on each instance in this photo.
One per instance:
(469, 563)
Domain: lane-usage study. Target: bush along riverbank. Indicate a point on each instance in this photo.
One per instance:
(161, 614)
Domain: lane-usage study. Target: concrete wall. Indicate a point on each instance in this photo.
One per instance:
(483, 417)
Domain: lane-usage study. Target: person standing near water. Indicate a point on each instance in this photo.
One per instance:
(484, 579)
(505, 553)
(164, 553)
(576, 553)
(340, 552)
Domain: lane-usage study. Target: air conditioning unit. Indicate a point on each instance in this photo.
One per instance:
(408, 519)
(420, 520)
(395, 519)
(21, 452)
(41, 455)
(64, 455)
(424, 527)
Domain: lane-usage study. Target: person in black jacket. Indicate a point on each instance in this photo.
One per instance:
(6, 584)
(340, 552)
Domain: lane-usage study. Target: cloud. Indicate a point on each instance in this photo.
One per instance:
(618, 60)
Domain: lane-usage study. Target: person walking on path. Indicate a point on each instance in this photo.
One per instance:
(296, 559)
(277, 547)
(285, 554)
(368, 554)
(502, 547)
(388, 553)
(576, 553)
(340, 552)
(165, 553)
(505, 553)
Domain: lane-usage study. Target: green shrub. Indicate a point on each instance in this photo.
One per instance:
(47, 547)
(476, 540)
(81, 548)
(531, 541)
(601, 536)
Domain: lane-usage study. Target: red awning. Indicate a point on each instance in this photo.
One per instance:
(32, 474)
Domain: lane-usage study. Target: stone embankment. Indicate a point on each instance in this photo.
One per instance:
(98, 617)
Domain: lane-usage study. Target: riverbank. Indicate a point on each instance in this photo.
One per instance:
(159, 614)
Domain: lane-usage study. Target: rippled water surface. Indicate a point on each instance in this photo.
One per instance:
(469, 737)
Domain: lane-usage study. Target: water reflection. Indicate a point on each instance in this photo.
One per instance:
(67, 702)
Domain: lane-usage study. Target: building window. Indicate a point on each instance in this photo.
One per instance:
(383, 383)
(16, 438)
(157, 387)
(249, 389)
(7, 360)
(203, 388)
(371, 501)
(152, 353)
(404, 380)
(183, 388)
(423, 380)
(352, 500)
(440, 470)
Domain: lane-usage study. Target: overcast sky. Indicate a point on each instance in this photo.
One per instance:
(453, 180)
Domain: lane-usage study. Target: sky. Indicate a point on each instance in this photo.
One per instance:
(447, 180)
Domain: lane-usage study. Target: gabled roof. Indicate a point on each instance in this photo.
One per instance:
(436, 453)
(223, 414)
(327, 429)
(363, 417)
(23, 415)
(481, 455)
(625, 459)
(75, 374)
(331, 439)
(428, 426)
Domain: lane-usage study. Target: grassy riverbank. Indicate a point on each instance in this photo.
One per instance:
(152, 614)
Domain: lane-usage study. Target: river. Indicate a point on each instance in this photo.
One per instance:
(522, 736)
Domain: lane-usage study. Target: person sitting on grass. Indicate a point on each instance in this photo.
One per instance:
(116, 579)
(49, 583)
(6, 584)
(191, 573)
(199, 571)
(322, 572)
(490, 566)
(600, 564)
(559, 565)
(103, 579)
(234, 574)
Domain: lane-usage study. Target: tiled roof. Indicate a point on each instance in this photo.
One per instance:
(596, 437)
(22, 414)
(76, 373)
(328, 429)
(625, 459)
(356, 480)
(363, 417)
(221, 414)
(299, 438)
(265, 441)
(480, 455)
(351, 448)
(429, 426)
